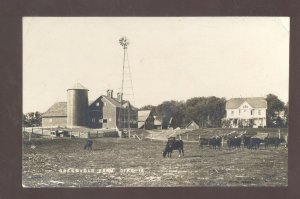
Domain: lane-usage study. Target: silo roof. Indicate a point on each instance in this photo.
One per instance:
(77, 86)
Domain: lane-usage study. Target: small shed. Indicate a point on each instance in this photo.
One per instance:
(192, 125)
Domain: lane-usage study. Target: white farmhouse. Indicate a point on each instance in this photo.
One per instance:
(246, 112)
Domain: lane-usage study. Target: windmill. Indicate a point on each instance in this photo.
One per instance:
(126, 87)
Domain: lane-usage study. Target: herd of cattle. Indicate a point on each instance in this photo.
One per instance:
(233, 142)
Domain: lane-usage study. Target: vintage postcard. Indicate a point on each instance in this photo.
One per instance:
(155, 101)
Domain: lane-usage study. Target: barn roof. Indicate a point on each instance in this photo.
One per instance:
(143, 115)
(191, 123)
(254, 102)
(58, 109)
(114, 102)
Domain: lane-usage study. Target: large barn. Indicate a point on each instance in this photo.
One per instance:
(104, 112)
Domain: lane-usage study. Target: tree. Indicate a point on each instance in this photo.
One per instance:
(32, 119)
(286, 114)
(274, 110)
(171, 109)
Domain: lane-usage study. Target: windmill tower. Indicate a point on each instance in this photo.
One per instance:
(126, 88)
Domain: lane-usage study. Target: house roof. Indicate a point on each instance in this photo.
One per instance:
(58, 109)
(254, 102)
(77, 86)
(143, 115)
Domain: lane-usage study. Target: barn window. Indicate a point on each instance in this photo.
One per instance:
(104, 120)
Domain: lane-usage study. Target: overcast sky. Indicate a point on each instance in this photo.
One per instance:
(170, 58)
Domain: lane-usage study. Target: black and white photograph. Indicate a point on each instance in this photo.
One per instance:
(155, 101)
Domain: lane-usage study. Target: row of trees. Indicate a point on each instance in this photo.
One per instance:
(209, 112)
(32, 119)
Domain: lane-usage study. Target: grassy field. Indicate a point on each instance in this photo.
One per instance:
(62, 162)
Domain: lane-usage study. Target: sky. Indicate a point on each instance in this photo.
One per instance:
(170, 58)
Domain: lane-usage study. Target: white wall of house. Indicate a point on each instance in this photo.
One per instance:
(246, 112)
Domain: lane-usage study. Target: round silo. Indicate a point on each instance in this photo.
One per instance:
(77, 106)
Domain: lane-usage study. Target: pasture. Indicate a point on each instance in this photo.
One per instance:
(62, 162)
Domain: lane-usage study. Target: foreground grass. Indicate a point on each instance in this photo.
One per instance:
(123, 162)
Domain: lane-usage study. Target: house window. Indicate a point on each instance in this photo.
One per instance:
(97, 104)
(104, 120)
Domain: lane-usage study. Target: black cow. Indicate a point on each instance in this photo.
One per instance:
(203, 142)
(89, 143)
(272, 141)
(252, 142)
(234, 142)
(215, 142)
(171, 145)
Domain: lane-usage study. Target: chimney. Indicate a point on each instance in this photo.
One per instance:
(119, 97)
(109, 93)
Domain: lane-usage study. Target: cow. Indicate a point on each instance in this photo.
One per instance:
(252, 142)
(216, 142)
(203, 142)
(234, 142)
(89, 143)
(272, 141)
(171, 145)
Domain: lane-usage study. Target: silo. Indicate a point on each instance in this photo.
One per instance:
(77, 106)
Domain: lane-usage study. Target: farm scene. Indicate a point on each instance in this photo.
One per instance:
(54, 161)
(201, 104)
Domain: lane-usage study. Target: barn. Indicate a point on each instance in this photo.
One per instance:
(55, 116)
(104, 112)
(145, 119)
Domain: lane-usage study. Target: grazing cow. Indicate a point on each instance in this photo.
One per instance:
(252, 142)
(203, 142)
(234, 142)
(171, 145)
(216, 142)
(272, 141)
(89, 143)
